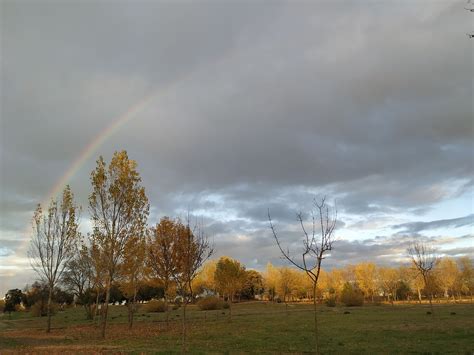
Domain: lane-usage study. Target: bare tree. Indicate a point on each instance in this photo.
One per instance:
(54, 236)
(192, 250)
(315, 246)
(424, 260)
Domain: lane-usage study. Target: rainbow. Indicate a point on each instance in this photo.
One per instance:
(87, 152)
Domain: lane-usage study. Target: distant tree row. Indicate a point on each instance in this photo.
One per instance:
(451, 278)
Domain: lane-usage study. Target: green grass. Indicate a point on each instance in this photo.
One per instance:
(255, 328)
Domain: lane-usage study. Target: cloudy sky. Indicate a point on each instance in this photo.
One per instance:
(234, 107)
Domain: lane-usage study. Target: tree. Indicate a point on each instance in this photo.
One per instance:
(205, 282)
(55, 234)
(192, 250)
(467, 275)
(12, 299)
(271, 276)
(162, 254)
(366, 276)
(336, 281)
(119, 210)
(230, 278)
(424, 260)
(99, 267)
(287, 283)
(389, 280)
(314, 248)
(147, 291)
(133, 272)
(253, 285)
(448, 273)
(79, 277)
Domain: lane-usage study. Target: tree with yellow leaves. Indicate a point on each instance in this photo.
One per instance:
(162, 254)
(286, 285)
(192, 250)
(270, 280)
(133, 272)
(366, 277)
(55, 235)
(230, 278)
(336, 281)
(205, 279)
(388, 280)
(448, 273)
(119, 211)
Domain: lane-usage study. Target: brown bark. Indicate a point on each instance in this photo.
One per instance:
(50, 296)
(106, 309)
(184, 327)
(316, 339)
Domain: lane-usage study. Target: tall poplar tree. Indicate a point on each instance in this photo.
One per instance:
(119, 209)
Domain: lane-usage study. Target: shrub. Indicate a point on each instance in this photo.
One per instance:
(351, 296)
(40, 309)
(226, 305)
(155, 306)
(210, 303)
(2, 305)
(331, 301)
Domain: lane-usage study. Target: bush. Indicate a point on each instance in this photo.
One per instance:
(351, 296)
(155, 306)
(226, 305)
(2, 306)
(210, 303)
(331, 301)
(40, 309)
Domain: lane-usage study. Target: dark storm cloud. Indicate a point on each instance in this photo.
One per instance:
(414, 227)
(258, 106)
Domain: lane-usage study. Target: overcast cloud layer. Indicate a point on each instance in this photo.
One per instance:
(256, 106)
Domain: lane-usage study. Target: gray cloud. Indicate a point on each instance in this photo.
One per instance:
(415, 227)
(256, 106)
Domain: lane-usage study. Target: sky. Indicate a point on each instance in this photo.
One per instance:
(234, 108)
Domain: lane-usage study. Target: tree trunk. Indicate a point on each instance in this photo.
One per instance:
(167, 313)
(419, 295)
(184, 326)
(106, 309)
(316, 340)
(132, 309)
(48, 311)
(96, 304)
(165, 295)
(88, 309)
(430, 293)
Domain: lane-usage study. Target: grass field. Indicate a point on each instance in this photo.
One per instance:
(256, 327)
